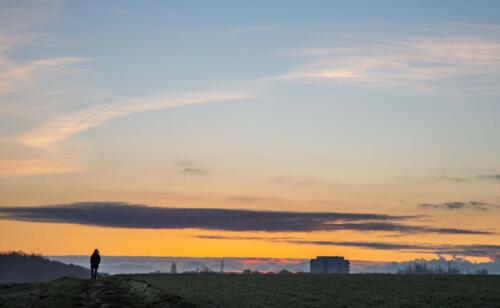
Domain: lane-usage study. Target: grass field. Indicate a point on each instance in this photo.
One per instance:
(65, 292)
(212, 290)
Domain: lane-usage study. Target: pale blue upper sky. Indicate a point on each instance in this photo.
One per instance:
(364, 92)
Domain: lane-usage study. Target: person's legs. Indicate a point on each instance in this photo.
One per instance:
(93, 272)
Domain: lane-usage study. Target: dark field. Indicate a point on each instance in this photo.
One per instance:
(212, 290)
(331, 290)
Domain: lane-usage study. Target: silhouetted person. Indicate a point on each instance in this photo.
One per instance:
(95, 259)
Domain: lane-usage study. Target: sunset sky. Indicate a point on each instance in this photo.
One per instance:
(370, 129)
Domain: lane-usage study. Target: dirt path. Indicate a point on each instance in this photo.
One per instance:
(128, 293)
(102, 294)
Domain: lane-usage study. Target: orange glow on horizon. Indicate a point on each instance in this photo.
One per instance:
(70, 239)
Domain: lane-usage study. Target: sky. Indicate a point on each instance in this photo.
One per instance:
(283, 129)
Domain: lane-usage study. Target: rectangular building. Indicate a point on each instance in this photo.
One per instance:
(325, 264)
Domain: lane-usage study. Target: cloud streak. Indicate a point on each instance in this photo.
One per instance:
(15, 75)
(453, 179)
(476, 250)
(123, 215)
(23, 167)
(473, 205)
(18, 20)
(193, 171)
(490, 177)
(403, 62)
(65, 126)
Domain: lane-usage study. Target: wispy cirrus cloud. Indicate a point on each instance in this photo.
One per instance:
(123, 215)
(414, 61)
(18, 22)
(65, 126)
(23, 81)
(17, 75)
(42, 144)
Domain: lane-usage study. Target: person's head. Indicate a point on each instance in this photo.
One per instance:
(96, 252)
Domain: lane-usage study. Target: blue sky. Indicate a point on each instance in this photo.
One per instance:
(351, 106)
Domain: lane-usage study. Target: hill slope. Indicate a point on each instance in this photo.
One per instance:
(20, 267)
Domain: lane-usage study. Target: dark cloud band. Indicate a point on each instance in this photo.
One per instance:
(123, 215)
